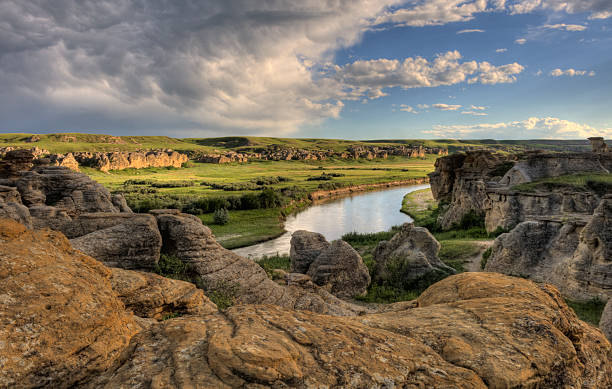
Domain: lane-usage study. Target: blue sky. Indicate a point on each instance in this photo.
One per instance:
(352, 69)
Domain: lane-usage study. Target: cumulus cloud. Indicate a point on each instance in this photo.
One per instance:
(407, 108)
(571, 73)
(598, 9)
(531, 128)
(436, 12)
(446, 107)
(566, 27)
(469, 31)
(501, 50)
(364, 76)
(239, 66)
(520, 41)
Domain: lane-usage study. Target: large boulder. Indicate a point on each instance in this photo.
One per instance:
(60, 321)
(17, 212)
(305, 248)
(341, 269)
(409, 259)
(133, 244)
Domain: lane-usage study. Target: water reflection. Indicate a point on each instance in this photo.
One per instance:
(362, 212)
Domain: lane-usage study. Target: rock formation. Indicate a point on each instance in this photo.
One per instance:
(305, 248)
(341, 270)
(574, 255)
(473, 330)
(482, 183)
(120, 160)
(598, 144)
(410, 256)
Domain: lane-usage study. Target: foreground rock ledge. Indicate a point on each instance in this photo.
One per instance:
(63, 323)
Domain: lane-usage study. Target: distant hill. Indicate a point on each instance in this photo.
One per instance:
(70, 142)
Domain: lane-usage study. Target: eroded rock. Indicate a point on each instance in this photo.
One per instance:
(305, 248)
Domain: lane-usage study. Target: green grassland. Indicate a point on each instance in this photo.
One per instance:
(200, 181)
(72, 142)
(599, 183)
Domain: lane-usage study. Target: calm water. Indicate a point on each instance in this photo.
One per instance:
(362, 212)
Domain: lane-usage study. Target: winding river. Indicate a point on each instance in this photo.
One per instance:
(361, 212)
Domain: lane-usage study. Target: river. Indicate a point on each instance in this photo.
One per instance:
(360, 212)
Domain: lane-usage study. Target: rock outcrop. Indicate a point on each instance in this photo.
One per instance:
(60, 321)
(120, 160)
(305, 248)
(474, 330)
(483, 183)
(340, 269)
(409, 257)
(574, 255)
(134, 244)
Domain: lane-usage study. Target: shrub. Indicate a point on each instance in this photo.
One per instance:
(222, 293)
(221, 216)
(274, 262)
(171, 266)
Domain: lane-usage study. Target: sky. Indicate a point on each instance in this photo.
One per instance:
(350, 69)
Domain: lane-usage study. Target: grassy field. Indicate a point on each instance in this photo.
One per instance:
(71, 142)
(599, 183)
(250, 226)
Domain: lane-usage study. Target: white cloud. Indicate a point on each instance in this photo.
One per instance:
(598, 9)
(520, 41)
(571, 73)
(501, 50)
(434, 12)
(478, 108)
(469, 31)
(446, 107)
(407, 108)
(531, 128)
(423, 106)
(566, 27)
(474, 113)
(362, 77)
(539, 73)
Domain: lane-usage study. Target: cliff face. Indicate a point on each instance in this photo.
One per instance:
(473, 330)
(482, 182)
(131, 160)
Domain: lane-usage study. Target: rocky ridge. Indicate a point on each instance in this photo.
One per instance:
(473, 330)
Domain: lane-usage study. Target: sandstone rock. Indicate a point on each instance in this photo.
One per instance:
(411, 255)
(151, 296)
(15, 161)
(533, 249)
(605, 324)
(588, 272)
(44, 216)
(67, 160)
(469, 331)
(133, 244)
(17, 212)
(119, 202)
(60, 187)
(443, 177)
(341, 269)
(60, 321)
(305, 248)
(131, 159)
(9, 194)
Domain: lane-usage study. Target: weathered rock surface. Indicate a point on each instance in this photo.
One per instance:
(605, 324)
(149, 295)
(575, 256)
(473, 330)
(60, 321)
(15, 161)
(411, 254)
(134, 244)
(305, 248)
(67, 160)
(17, 212)
(469, 331)
(131, 159)
(341, 270)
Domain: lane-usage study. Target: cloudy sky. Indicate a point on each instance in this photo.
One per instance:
(355, 69)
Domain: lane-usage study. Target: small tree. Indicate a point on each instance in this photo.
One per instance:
(221, 216)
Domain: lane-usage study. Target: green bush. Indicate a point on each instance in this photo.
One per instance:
(274, 262)
(221, 216)
(383, 294)
(222, 293)
(589, 311)
(171, 266)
